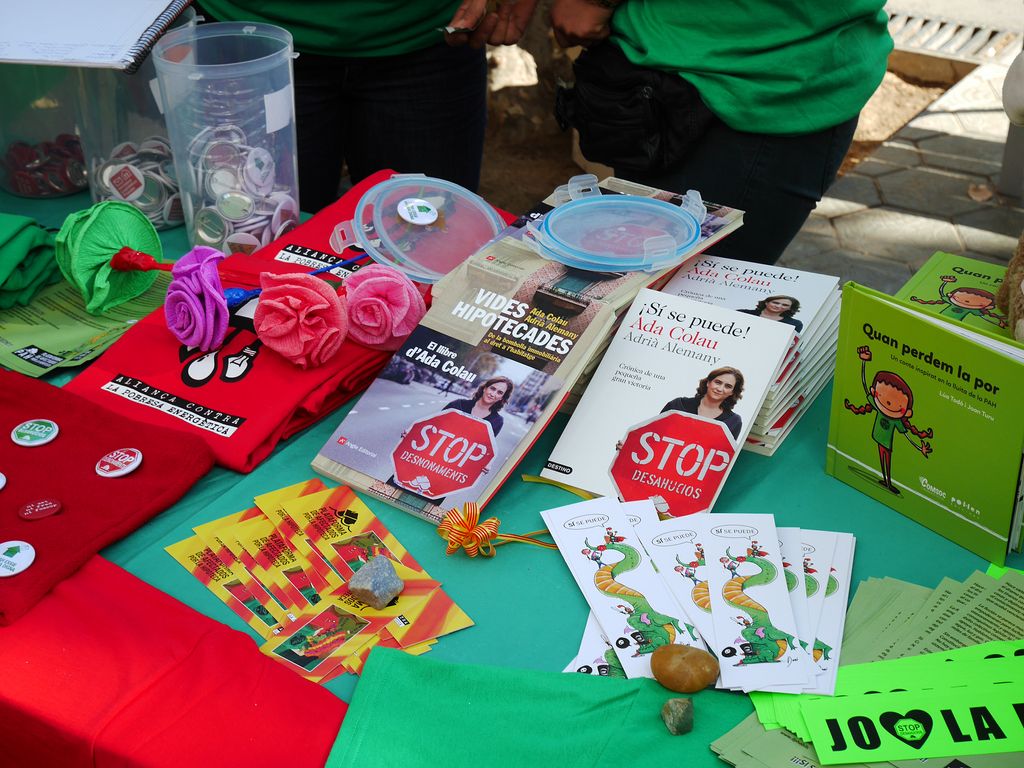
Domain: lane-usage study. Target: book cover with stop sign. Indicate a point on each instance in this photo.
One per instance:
(671, 402)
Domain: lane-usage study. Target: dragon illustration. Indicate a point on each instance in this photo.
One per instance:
(652, 629)
(699, 593)
(763, 642)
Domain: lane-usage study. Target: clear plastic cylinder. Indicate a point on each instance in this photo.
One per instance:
(229, 105)
(124, 139)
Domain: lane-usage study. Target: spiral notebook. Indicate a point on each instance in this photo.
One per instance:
(114, 34)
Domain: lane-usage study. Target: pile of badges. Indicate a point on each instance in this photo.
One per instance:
(239, 203)
(46, 169)
(141, 174)
(16, 555)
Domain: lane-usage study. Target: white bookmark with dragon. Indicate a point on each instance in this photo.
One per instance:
(633, 606)
(755, 632)
(676, 547)
(833, 615)
(596, 655)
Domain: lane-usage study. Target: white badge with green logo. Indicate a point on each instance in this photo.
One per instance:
(416, 210)
(15, 557)
(35, 432)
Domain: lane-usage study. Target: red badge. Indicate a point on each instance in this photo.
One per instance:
(120, 462)
(37, 510)
(676, 459)
(443, 454)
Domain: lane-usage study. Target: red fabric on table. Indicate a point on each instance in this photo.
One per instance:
(108, 671)
(96, 510)
(145, 374)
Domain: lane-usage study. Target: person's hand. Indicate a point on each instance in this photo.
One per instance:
(864, 353)
(926, 448)
(580, 22)
(948, 279)
(476, 26)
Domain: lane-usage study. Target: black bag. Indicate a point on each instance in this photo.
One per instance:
(630, 117)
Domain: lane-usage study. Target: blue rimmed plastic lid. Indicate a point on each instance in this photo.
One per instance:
(420, 225)
(617, 233)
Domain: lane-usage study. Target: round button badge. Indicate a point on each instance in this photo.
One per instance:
(34, 432)
(37, 510)
(15, 557)
(120, 462)
(415, 210)
(3, 480)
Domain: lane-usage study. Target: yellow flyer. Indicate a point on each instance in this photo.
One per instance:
(271, 503)
(211, 534)
(276, 562)
(344, 530)
(320, 640)
(199, 560)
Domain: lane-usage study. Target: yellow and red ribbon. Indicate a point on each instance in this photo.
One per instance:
(462, 529)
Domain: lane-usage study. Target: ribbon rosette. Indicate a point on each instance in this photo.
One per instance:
(195, 307)
(384, 306)
(463, 529)
(300, 317)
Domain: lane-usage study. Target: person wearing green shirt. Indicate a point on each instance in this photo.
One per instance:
(376, 86)
(784, 81)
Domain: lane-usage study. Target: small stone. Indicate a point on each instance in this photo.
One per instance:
(376, 583)
(678, 716)
(683, 669)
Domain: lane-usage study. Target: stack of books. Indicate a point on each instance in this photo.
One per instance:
(507, 337)
(927, 415)
(806, 301)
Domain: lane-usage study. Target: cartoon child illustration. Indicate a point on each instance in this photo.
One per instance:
(594, 555)
(754, 550)
(730, 563)
(612, 536)
(689, 571)
(963, 302)
(892, 399)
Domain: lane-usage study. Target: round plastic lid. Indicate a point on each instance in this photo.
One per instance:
(423, 226)
(617, 233)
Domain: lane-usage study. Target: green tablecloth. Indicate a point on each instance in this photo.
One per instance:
(528, 611)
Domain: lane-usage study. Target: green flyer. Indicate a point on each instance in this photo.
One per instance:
(976, 720)
(54, 331)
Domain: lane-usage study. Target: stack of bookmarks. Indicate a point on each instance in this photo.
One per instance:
(506, 313)
(726, 582)
(927, 675)
(807, 301)
(282, 567)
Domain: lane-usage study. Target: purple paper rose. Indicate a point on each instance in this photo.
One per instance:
(195, 308)
(384, 306)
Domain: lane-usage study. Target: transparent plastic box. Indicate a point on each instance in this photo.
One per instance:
(124, 139)
(228, 101)
(40, 152)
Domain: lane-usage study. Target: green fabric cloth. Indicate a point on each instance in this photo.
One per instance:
(781, 67)
(346, 27)
(26, 260)
(414, 711)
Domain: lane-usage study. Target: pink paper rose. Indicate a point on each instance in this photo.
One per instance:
(195, 308)
(300, 317)
(384, 306)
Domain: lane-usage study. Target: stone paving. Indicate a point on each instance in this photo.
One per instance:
(913, 195)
